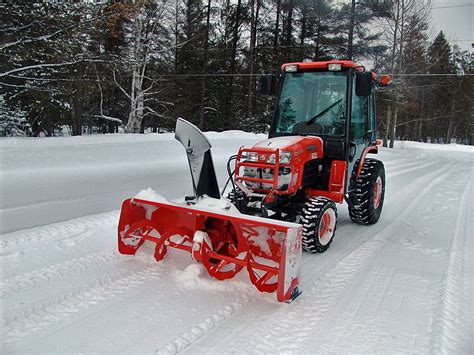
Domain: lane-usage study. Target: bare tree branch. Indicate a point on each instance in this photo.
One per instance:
(119, 86)
(51, 35)
(16, 29)
(36, 66)
(28, 87)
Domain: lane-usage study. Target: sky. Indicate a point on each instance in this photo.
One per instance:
(455, 18)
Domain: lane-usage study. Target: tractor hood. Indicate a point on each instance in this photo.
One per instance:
(297, 145)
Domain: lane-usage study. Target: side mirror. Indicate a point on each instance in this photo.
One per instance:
(267, 82)
(363, 83)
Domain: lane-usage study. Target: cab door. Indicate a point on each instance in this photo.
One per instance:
(372, 128)
(360, 125)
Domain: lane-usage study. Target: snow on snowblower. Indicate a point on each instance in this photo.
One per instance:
(213, 231)
(283, 189)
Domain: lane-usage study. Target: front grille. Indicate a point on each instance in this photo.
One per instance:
(259, 175)
(283, 181)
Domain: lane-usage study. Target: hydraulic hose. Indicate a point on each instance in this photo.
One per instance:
(230, 173)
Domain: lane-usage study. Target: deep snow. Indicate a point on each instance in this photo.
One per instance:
(402, 285)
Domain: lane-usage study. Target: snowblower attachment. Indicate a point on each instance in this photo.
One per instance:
(224, 243)
(213, 231)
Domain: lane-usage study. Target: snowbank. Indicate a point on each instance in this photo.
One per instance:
(44, 180)
(433, 146)
(115, 138)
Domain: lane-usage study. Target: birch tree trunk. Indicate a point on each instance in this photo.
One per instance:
(253, 40)
(276, 57)
(233, 62)
(449, 132)
(388, 122)
(387, 126)
(351, 31)
(77, 109)
(289, 30)
(394, 127)
(137, 103)
(202, 114)
(137, 94)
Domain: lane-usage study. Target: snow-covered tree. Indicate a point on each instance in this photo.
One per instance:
(147, 38)
(13, 122)
(44, 49)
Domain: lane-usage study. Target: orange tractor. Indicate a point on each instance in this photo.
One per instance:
(284, 189)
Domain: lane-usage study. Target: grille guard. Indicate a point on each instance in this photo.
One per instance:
(260, 164)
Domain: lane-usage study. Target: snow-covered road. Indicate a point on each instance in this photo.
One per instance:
(402, 285)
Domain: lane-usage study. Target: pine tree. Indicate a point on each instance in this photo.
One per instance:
(13, 122)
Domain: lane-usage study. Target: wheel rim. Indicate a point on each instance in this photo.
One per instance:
(377, 192)
(326, 226)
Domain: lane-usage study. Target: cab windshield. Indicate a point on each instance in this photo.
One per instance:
(312, 103)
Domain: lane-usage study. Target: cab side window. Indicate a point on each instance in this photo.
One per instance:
(360, 111)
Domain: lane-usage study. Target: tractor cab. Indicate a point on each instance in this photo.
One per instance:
(332, 100)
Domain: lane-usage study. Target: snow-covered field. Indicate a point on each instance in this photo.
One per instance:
(402, 285)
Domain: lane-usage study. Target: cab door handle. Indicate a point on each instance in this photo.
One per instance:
(352, 151)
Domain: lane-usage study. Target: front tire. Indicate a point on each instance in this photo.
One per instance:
(370, 191)
(319, 218)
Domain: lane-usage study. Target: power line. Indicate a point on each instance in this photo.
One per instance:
(450, 6)
(216, 75)
(226, 75)
(431, 74)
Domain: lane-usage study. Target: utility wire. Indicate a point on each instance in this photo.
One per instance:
(450, 6)
(258, 74)
(216, 75)
(225, 75)
(432, 74)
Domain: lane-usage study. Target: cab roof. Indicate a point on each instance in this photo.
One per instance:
(324, 65)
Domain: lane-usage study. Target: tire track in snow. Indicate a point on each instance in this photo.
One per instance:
(337, 277)
(401, 166)
(326, 291)
(411, 169)
(287, 329)
(450, 333)
(198, 330)
(405, 190)
(72, 229)
(66, 306)
(75, 266)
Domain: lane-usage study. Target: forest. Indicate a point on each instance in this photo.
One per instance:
(89, 67)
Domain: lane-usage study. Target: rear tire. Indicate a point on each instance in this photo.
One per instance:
(319, 218)
(370, 191)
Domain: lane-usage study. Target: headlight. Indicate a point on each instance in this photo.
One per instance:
(285, 158)
(271, 159)
(250, 156)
